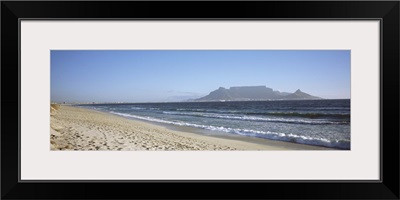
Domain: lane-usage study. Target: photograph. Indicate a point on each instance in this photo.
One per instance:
(199, 100)
(299, 96)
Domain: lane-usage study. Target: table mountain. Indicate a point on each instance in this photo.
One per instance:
(253, 93)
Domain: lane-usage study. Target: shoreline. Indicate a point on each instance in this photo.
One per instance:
(228, 136)
(77, 128)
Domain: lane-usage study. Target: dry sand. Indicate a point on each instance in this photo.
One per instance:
(73, 128)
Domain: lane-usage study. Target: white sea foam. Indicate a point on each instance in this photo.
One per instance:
(253, 118)
(138, 108)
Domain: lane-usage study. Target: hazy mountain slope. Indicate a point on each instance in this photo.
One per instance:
(248, 93)
(300, 95)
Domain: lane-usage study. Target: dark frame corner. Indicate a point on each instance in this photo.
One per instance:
(386, 11)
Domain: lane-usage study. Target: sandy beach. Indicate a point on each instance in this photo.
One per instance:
(73, 128)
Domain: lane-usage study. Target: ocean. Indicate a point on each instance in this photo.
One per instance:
(313, 122)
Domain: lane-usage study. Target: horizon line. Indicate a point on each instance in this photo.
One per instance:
(131, 102)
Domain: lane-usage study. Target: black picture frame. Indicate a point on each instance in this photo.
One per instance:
(385, 11)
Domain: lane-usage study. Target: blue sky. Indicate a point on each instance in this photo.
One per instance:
(176, 75)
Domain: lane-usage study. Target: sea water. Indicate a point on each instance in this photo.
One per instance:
(313, 122)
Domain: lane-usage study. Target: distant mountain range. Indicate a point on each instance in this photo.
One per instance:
(253, 93)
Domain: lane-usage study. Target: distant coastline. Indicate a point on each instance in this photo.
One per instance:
(253, 93)
(99, 103)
